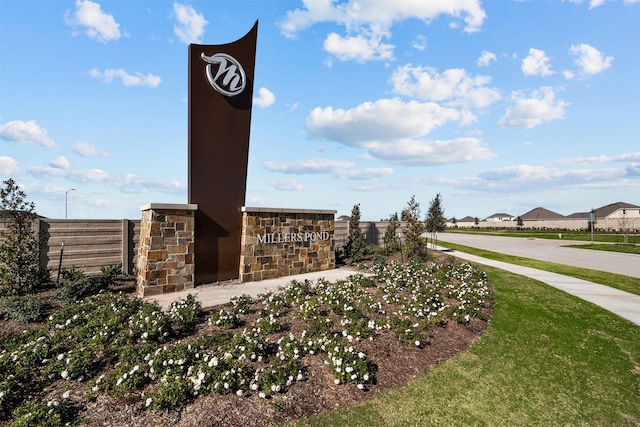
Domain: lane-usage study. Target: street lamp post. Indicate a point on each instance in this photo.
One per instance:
(65, 201)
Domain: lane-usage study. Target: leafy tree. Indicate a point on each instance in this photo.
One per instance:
(20, 269)
(435, 221)
(519, 222)
(356, 245)
(413, 230)
(391, 244)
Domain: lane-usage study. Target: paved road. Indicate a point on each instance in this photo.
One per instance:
(550, 250)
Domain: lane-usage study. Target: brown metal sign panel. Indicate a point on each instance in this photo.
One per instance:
(220, 98)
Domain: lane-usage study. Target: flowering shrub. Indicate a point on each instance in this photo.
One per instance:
(128, 348)
(241, 304)
(347, 364)
(150, 324)
(52, 413)
(224, 319)
(184, 313)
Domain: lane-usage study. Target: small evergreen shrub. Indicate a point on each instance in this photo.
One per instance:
(79, 289)
(26, 308)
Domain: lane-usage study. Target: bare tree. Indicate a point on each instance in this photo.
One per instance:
(625, 225)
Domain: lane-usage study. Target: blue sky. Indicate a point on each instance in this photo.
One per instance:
(499, 106)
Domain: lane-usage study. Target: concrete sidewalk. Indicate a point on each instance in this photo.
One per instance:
(624, 304)
(214, 294)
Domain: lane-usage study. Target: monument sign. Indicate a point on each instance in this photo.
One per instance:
(220, 99)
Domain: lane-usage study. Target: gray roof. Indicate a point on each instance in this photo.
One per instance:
(607, 210)
(539, 214)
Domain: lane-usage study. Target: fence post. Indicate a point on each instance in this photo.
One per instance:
(126, 267)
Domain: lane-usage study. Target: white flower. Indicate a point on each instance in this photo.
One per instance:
(66, 394)
(64, 374)
(148, 401)
(336, 381)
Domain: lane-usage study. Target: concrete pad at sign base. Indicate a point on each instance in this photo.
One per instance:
(214, 294)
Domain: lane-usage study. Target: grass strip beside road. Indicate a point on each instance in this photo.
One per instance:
(583, 236)
(548, 358)
(618, 281)
(625, 249)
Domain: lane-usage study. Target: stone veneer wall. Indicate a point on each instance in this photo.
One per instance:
(282, 242)
(165, 260)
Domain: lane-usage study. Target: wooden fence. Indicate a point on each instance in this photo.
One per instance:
(92, 244)
(88, 244)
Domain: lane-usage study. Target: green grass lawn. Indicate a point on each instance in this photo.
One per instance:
(583, 236)
(618, 281)
(547, 359)
(625, 249)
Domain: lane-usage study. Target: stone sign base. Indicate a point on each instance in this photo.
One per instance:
(282, 242)
(165, 258)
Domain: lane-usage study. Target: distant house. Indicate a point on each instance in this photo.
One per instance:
(499, 217)
(611, 211)
(467, 221)
(618, 210)
(541, 214)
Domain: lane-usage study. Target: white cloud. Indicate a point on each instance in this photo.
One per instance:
(190, 24)
(85, 149)
(527, 177)
(485, 58)
(393, 130)
(633, 169)
(265, 98)
(589, 59)
(286, 184)
(430, 153)
(626, 157)
(420, 43)
(536, 64)
(126, 182)
(127, 79)
(360, 48)
(353, 13)
(383, 120)
(363, 174)
(27, 132)
(541, 106)
(454, 86)
(338, 168)
(9, 166)
(311, 166)
(131, 183)
(89, 175)
(98, 25)
(368, 22)
(61, 163)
